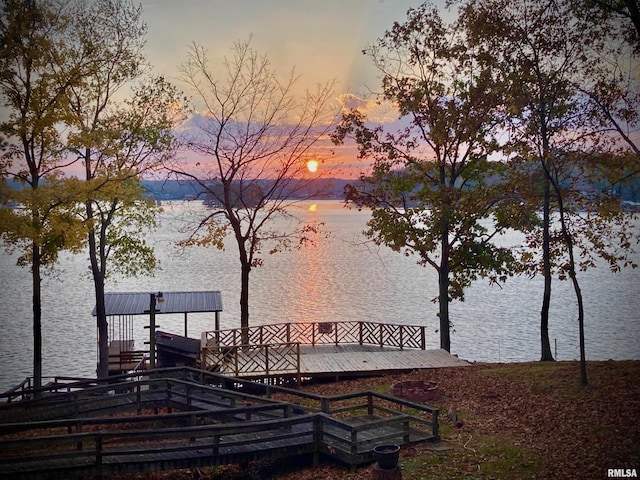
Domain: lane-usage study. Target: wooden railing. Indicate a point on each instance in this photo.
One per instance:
(324, 333)
(275, 349)
(262, 360)
(215, 421)
(335, 406)
(25, 389)
(123, 395)
(106, 452)
(126, 361)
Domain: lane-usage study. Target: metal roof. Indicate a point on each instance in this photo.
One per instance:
(130, 303)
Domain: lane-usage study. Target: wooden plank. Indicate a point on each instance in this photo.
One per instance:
(327, 359)
(242, 435)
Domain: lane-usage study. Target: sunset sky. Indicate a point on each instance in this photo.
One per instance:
(322, 39)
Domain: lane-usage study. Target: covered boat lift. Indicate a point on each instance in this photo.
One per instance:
(122, 307)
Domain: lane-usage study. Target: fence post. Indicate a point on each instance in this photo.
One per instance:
(317, 439)
(401, 337)
(369, 403)
(354, 441)
(360, 325)
(381, 335)
(422, 339)
(324, 405)
(406, 429)
(79, 430)
(216, 444)
(298, 363)
(435, 427)
(99, 452)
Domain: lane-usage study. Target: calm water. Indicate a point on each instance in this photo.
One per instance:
(340, 278)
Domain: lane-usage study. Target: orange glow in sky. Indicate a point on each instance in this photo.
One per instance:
(321, 41)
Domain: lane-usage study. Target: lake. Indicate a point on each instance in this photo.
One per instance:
(341, 277)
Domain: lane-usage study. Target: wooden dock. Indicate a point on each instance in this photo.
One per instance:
(321, 349)
(368, 359)
(216, 414)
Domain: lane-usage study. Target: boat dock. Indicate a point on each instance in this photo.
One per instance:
(227, 410)
(273, 351)
(327, 349)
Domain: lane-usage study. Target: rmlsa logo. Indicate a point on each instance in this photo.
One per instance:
(622, 473)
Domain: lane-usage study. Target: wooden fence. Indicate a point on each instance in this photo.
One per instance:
(275, 349)
(212, 419)
(324, 333)
(262, 360)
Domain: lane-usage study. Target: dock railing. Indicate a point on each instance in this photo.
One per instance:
(326, 333)
(103, 451)
(263, 359)
(275, 349)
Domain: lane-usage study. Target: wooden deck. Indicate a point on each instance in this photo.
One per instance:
(367, 359)
(321, 349)
(79, 429)
(217, 415)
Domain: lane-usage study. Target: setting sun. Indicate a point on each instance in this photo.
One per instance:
(312, 166)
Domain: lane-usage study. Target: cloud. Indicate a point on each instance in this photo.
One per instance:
(375, 110)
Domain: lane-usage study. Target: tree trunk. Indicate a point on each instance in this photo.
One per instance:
(244, 300)
(37, 315)
(443, 272)
(101, 313)
(97, 271)
(583, 358)
(443, 289)
(443, 292)
(568, 241)
(546, 259)
(102, 325)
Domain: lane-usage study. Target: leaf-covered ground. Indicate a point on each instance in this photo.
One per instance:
(521, 421)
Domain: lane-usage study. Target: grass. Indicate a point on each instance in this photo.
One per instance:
(474, 457)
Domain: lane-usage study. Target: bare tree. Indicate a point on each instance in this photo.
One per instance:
(253, 141)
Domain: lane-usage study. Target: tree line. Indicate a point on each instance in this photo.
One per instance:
(548, 88)
(505, 113)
